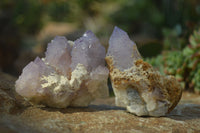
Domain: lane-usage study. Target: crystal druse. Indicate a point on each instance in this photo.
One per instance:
(71, 74)
(137, 86)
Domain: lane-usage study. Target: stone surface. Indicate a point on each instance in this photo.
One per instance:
(71, 74)
(100, 116)
(137, 86)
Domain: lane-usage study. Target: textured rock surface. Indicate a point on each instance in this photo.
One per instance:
(71, 74)
(23, 118)
(137, 86)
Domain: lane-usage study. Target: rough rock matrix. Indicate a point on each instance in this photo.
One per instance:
(137, 86)
(71, 74)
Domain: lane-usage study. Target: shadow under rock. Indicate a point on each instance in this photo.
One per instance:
(185, 111)
(90, 108)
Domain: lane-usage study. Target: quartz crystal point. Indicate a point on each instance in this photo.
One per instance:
(137, 86)
(71, 74)
(85, 48)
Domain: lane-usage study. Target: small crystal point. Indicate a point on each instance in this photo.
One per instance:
(29, 79)
(88, 51)
(122, 49)
(58, 55)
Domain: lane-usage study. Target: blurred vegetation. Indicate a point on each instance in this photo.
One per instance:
(24, 15)
(153, 17)
(159, 17)
(184, 65)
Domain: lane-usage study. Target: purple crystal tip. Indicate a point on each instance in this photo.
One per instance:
(122, 49)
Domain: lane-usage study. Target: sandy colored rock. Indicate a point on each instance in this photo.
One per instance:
(140, 77)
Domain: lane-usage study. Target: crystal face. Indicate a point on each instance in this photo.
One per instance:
(122, 49)
(137, 86)
(58, 55)
(71, 74)
(88, 51)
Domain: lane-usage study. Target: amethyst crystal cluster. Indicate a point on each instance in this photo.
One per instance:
(71, 74)
(74, 73)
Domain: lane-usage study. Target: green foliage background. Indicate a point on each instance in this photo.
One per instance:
(158, 17)
(184, 64)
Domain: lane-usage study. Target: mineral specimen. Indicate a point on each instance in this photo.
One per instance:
(137, 86)
(71, 74)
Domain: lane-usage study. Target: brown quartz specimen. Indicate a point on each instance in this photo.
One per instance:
(137, 85)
